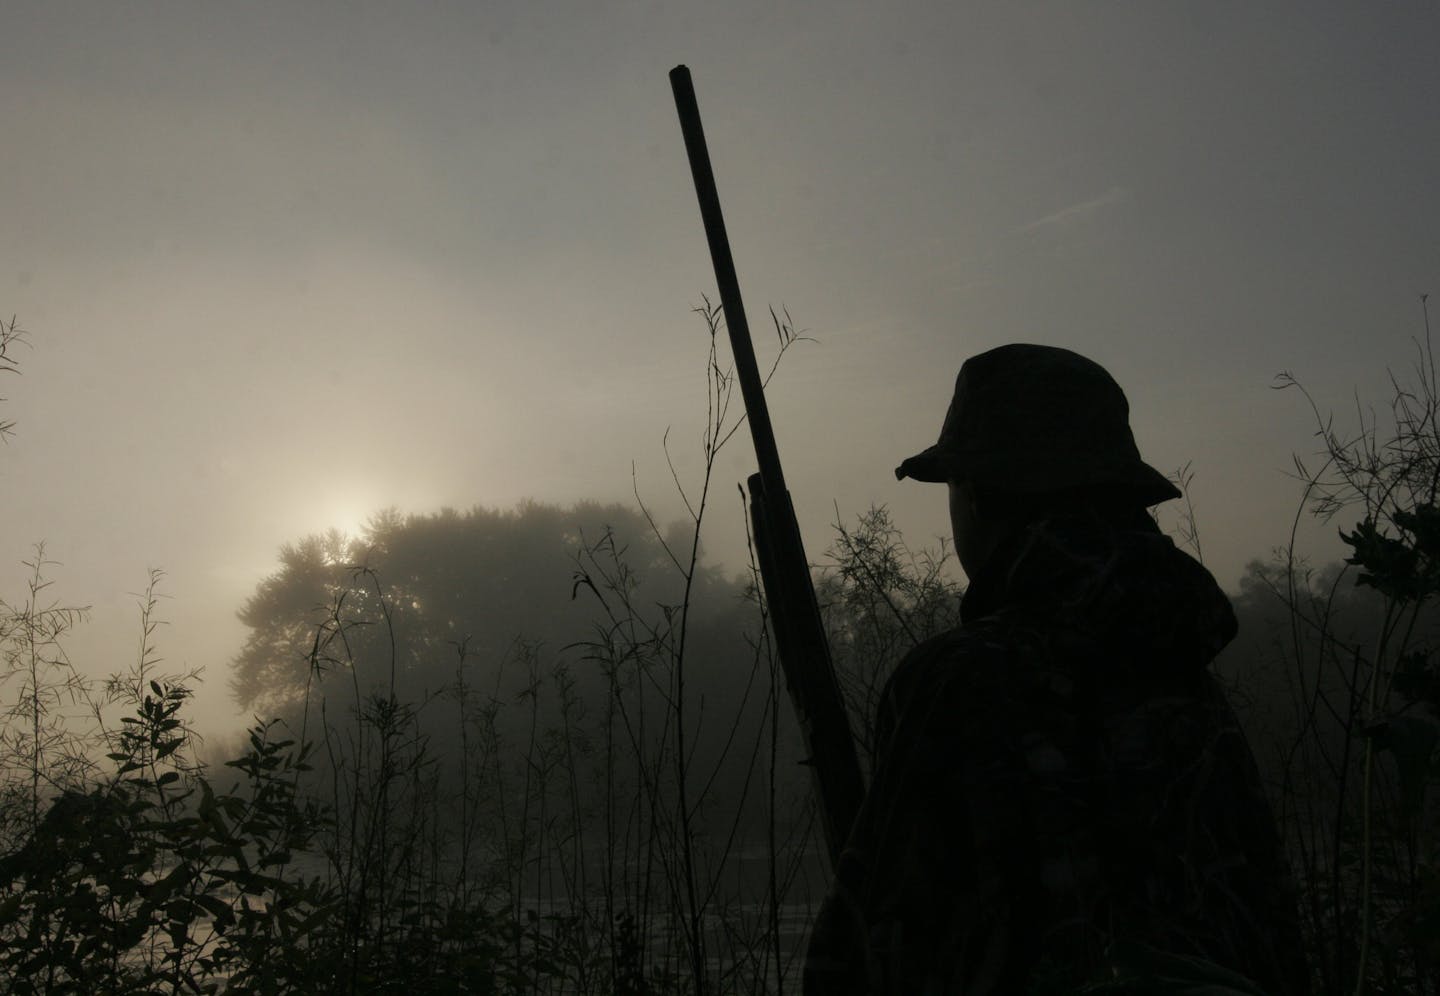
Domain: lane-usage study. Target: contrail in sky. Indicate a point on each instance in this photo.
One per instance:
(1076, 212)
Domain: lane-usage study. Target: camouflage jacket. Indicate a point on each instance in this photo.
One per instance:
(1059, 775)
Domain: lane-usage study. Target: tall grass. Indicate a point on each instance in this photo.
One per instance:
(589, 834)
(1356, 654)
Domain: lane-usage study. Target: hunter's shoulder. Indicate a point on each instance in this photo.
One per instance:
(970, 657)
(978, 652)
(968, 643)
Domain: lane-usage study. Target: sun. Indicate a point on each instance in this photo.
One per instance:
(346, 510)
(350, 519)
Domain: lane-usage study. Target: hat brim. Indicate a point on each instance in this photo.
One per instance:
(938, 465)
(933, 466)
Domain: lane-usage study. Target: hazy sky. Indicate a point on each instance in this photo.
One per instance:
(284, 264)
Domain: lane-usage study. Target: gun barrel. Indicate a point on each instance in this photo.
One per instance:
(746, 369)
(785, 571)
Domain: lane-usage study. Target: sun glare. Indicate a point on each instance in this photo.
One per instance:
(347, 512)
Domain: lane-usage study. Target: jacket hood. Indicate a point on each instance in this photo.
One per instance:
(1126, 588)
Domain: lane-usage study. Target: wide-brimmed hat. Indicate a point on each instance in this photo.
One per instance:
(1029, 419)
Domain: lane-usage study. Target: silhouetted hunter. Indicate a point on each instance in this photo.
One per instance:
(1059, 781)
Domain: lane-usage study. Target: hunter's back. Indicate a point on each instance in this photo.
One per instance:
(1059, 775)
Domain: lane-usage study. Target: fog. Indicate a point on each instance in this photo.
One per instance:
(282, 269)
(313, 290)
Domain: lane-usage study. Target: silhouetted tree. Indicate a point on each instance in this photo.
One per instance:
(482, 578)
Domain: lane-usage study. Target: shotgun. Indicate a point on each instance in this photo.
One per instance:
(784, 571)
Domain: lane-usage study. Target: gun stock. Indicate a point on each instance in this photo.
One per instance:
(785, 571)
